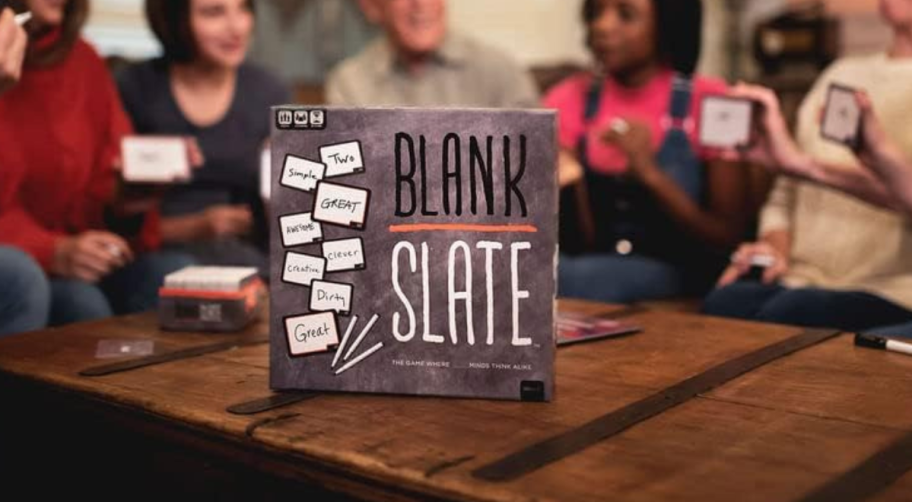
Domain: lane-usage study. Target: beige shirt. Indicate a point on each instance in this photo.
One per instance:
(462, 73)
(839, 242)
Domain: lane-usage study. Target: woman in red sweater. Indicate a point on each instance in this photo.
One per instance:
(61, 127)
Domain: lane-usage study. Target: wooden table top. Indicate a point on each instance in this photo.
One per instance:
(780, 432)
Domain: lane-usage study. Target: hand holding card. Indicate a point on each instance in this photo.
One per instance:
(726, 122)
(842, 116)
(771, 144)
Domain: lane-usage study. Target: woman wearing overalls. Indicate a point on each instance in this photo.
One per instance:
(661, 212)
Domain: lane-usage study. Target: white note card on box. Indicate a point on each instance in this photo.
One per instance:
(300, 229)
(310, 334)
(301, 174)
(341, 205)
(342, 159)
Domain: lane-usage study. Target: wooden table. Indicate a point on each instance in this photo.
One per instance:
(828, 422)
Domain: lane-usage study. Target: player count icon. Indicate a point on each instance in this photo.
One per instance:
(285, 118)
(317, 118)
(301, 118)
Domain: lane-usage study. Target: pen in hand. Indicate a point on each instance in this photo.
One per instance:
(21, 19)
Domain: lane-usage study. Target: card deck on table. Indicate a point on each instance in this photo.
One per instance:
(573, 329)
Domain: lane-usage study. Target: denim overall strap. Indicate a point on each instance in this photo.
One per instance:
(615, 195)
(676, 156)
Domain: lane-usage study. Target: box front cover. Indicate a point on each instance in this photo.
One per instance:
(413, 251)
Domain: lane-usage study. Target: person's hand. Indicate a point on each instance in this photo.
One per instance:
(195, 156)
(744, 258)
(634, 138)
(875, 150)
(772, 145)
(226, 221)
(13, 41)
(138, 198)
(569, 170)
(90, 256)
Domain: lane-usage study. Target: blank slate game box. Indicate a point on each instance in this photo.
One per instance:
(414, 251)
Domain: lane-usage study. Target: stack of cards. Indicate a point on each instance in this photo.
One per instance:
(841, 116)
(155, 160)
(725, 123)
(210, 299)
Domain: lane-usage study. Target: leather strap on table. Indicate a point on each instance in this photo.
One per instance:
(870, 477)
(272, 402)
(167, 357)
(575, 440)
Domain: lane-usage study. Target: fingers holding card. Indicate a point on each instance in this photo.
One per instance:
(841, 116)
(158, 160)
(725, 122)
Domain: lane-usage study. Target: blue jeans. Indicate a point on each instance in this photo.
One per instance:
(619, 279)
(818, 308)
(131, 289)
(897, 331)
(24, 294)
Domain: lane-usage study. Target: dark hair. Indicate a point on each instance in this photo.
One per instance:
(170, 21)
(74, 17)
(678, 29)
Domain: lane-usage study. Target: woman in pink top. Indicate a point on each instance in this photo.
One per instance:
(665, 212)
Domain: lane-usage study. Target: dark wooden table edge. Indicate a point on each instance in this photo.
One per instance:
(250, 453)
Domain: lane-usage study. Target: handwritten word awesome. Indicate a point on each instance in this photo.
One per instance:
(301, 227)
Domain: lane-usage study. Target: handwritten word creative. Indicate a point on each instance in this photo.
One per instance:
(302, 269)
(312, 333)
(301, 174)
(342, 159)
(341, 205)
(344, 255)
(331, 297)
(300, 229)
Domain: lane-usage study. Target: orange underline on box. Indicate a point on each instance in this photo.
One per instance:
(461, 227)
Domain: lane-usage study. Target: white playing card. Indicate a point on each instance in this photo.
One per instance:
(155, 159)
(841, 116)
(725, 122)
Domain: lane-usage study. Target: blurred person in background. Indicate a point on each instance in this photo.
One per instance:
(60, 200)
(421, 62)
(204, 88)
(664, 211)
(837, 260)
(25, 298)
